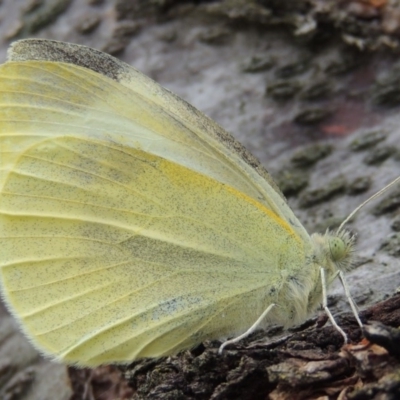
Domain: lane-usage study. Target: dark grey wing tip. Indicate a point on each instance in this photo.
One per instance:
(53, 50)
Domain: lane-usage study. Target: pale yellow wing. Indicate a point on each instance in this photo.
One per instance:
(127, 229)
(159, 122)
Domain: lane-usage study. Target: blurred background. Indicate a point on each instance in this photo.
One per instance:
(311, 87)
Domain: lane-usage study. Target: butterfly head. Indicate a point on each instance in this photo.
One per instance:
(334, 250)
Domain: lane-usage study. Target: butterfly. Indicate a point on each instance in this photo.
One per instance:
(132, 225)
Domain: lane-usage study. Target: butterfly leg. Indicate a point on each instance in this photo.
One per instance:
(349, 298)
(249, 331)
(325, 306)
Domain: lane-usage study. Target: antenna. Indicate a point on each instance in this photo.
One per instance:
(377, 194)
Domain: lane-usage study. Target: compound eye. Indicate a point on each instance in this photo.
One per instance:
(337, 248)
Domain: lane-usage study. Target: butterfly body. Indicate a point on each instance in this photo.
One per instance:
(130, 224)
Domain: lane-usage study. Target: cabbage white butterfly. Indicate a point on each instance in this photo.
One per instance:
(134, 226)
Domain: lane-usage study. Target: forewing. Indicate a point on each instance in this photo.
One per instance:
(168, 126)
